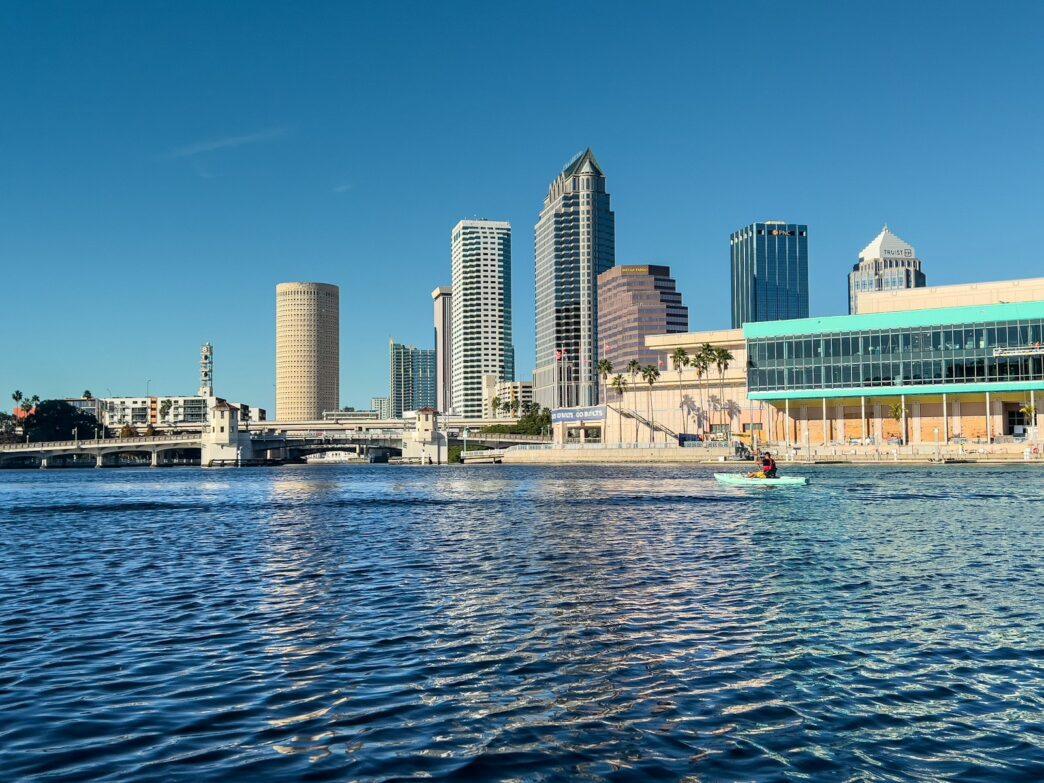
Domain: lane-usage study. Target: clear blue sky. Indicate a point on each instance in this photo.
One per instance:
(164, 165)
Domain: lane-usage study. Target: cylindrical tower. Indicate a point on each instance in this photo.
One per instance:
(307, 350)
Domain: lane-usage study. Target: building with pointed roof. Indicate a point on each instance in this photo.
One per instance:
(575, 242)
(886, 264)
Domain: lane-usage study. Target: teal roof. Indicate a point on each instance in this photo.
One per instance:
(896, 391)
(946, 316)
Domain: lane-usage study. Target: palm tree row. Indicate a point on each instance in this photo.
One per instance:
(702, 360)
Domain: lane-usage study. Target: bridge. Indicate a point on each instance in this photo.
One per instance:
(257, 443)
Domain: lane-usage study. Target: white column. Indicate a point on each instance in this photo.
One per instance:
(902, 401)
(1033, 404)
(824, 422)
(989, 423)
(946, 422)
(862, 414)
(786, 423)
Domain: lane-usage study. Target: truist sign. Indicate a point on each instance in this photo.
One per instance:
(578, 415)
(904, 253)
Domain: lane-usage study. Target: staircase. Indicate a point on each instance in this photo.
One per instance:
(630, 413)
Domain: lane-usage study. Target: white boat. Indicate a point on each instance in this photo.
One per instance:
(743, 480)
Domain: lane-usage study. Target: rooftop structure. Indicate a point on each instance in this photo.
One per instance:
(886, 264)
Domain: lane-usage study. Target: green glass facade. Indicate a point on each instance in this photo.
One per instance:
(948, 350)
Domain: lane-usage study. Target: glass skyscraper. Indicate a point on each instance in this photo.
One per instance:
(575, 242)
(769, 272)
(413, 378)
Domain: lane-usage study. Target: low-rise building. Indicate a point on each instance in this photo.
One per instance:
(516, 395)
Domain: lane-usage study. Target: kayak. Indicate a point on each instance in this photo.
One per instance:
(740, 480)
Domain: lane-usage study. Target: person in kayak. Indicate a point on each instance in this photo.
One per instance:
(768, 465)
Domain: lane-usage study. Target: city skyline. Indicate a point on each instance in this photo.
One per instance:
(268, 175)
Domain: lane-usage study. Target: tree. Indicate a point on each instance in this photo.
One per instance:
(150, 431)
(29, 404)
(633, 370)
(7, 427)
(57, 420)
(680, 358)
(701, 362)
(127, 431)
(494, 404)
(514, 406)
(164, 409)
(619, 384)
(17, 397)
(898, 412)
(87, 394)
(605, 369)
(535, 422)
(722, 357)
(649, 374)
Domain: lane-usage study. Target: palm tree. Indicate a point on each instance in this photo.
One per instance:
(17, 397)
(649, 374)
(701, 361)
(681, 359)
(494, 405)
(633, 369)
(619, 384)
(87, 394)
(722, 357)
(605, 369)
(513, 406)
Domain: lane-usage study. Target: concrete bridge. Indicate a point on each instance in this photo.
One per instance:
(256, 443)
(158, 448)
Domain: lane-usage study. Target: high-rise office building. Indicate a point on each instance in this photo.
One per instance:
(412, 378)
(634, 301)
(307, 350)
(481, 328)
(443, 301)
(575, 242)
(886, 264)
(769, 272)
(382, 405)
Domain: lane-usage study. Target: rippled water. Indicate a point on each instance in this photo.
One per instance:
(500, 623)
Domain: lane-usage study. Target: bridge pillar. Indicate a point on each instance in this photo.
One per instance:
(155, 460)
(45, 462)
(99, 460)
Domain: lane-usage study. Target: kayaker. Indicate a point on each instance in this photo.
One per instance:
(768, 465)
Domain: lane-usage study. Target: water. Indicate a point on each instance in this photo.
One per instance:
(507, 623)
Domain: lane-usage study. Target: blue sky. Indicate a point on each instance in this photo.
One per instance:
(164, 165)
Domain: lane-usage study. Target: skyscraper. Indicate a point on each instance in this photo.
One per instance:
(481, 328)
(443, 299)
(307, 350)
(412, 378)
(634, 301)
(886, 264)
(769, 272)
(575, 242)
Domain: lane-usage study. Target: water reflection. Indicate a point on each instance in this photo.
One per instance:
(371, 622)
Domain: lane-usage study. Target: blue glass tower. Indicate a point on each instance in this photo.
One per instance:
(769, 272)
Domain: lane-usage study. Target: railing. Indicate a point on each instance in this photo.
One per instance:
(93, 442)
(639, 446)
(1022, 350)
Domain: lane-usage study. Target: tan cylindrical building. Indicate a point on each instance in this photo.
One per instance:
(307, 350)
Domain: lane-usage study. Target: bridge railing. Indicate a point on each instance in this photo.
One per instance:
(89, 442)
